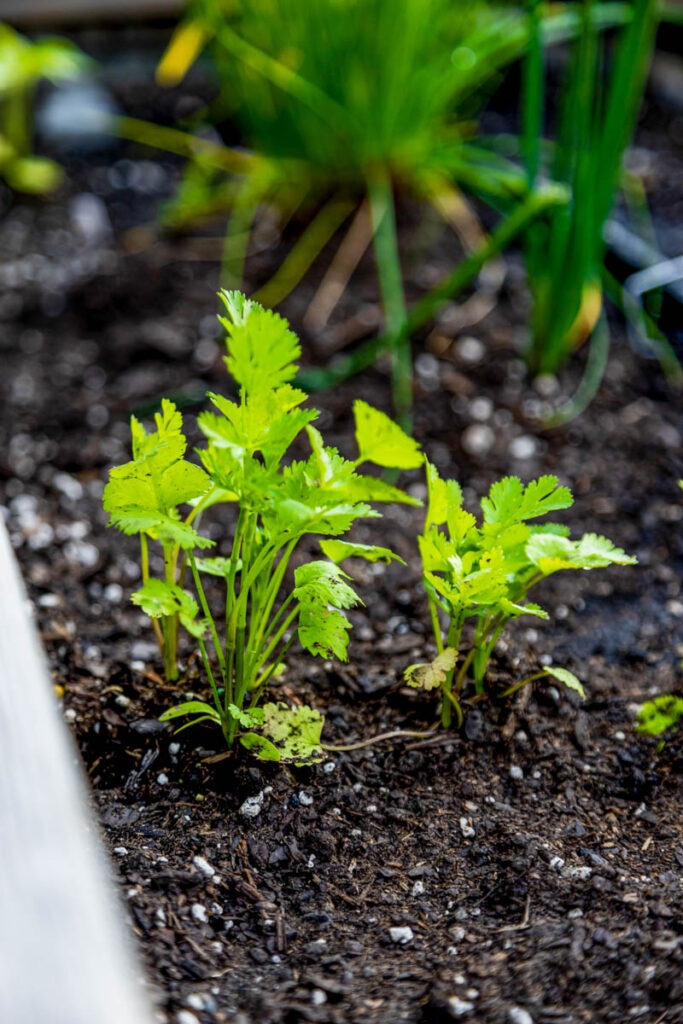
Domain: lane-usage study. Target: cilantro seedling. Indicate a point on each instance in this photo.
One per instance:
(484, 572)
(278, 504)
(661, 715)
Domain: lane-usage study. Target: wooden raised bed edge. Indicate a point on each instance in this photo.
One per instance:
(64, 955)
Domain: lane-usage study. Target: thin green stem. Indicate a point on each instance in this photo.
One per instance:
(227, 683)
(524, 682)
(144, 564)
(169, 623)
(391, 285)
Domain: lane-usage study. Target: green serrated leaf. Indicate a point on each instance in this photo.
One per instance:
(262, 351)
(218, 566)
(295, 731)
(323, 583)
(510, 502)
(338, 550)
(158, 599)
(444, 496)
(432, 674)
(247, 719)
(551, 552)
(382, 441)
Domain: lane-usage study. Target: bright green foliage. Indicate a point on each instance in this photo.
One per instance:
(338, 550)
(143, 497)
(277, 506)
(287, 734)
(22, 65)
(485, 571)
(661, 715)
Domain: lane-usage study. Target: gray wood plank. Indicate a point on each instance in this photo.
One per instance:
(64, 953)
(54, 12)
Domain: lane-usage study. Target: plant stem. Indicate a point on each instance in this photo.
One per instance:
(391, 285)
(524, 682)
(170, 623)
(227, 683)
(144, 562)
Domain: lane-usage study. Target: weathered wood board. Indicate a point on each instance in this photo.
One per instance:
(64, 958)
(36, 12)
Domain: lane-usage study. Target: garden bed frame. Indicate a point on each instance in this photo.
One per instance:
(65, 957)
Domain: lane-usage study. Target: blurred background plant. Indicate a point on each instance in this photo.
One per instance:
(347, 108)
(340, 125)
(595, 118)
(23, 64)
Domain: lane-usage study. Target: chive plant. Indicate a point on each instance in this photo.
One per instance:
(595, 122)
(485, 572)
(278, 503)
(345, 107)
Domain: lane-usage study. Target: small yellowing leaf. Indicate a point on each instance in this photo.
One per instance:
(431, 674)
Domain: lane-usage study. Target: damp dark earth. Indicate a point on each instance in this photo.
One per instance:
(523, 870)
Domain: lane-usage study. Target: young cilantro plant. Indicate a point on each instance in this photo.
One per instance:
(484, 572)
(144, 497)
(661, 715)
(278, 505)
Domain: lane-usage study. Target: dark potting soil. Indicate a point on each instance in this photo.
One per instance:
(525, 869)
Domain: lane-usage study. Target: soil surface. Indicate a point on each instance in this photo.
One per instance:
(526, 869)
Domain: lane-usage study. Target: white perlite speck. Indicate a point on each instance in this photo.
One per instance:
(401, 935)
(199, 913)
(204, 867)
(304, 799)
(459, 1007)
(185, 1017)
(252, 806)
(516, 772)
(518, 1015)
(467, 828)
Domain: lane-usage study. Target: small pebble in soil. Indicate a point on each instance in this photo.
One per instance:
(557, 863)
(120, 851)
(185, 1017)
(467, 828)
(575, 913)
(469, 349)
(252, 806)
(70, 715)
(329, 766)
(459, 1007)
(477, 439)
(580, 873)
(418, 888)
(516, 772)
(162, 779)
(122, 700)
(204, 867)
(199, 913)
(318, 997)
(518, 1015)
(304, 799)
(401, 935)
(174, 749)
(523, 447)
(113, 593)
